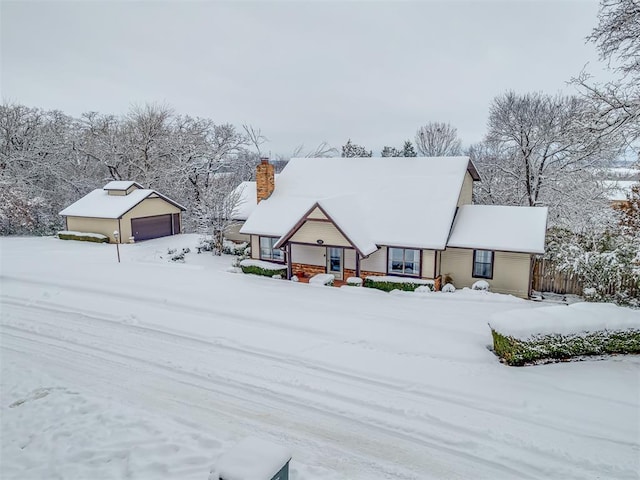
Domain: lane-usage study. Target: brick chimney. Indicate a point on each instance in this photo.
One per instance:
(265, 179)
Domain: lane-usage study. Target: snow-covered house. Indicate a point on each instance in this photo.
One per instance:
(245, 200)
(128, 208)
(406, 217)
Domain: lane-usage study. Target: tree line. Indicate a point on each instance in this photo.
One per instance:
(539, 149)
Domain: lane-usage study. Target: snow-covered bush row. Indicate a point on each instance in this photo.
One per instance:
(83, 236)
(388, 283)
(207, 243)
(322, 279)
(260, 267)
(354, 281)
(560, 332)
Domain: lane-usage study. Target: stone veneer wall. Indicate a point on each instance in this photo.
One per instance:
(305, 270)
(265, 180)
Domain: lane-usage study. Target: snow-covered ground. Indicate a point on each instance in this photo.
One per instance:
(149, 369)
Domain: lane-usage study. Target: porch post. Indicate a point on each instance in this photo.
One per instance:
(357, 264)
(289, 266)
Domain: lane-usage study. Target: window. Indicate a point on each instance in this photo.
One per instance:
(483, 264)
(403, 261)
(267, 252)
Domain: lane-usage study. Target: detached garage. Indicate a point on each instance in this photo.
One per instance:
(128, 208)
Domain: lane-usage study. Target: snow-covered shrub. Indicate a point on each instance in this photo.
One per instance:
(354, 281)
(423, 289)
(322, 279)
(448, 288)
(205, 244)
(277, 276)
(388, 283)
(176, 256)
(83, 236)
(260, 267)
(606, 264)
(295, 278)
(560, 332)
(480, 285)
(232, 248)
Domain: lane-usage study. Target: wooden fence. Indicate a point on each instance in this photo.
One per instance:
(546, 278)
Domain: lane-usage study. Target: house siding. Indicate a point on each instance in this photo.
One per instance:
(317, 214)
(376, 262)
(510, 270)
(233, 233)
(149, 207)
(255, 247)
(105, 226)
(428, 263)
(312, 230)
(466, 193)
(350, 260)
(309, 255)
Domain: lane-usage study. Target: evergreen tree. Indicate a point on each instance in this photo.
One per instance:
(391, 152)
(408, 150)
(352, 150)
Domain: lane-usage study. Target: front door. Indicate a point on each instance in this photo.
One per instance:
(335, 261)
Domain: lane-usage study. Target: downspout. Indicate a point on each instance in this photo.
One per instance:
(119, 230)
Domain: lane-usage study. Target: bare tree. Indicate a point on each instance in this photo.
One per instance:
(541, 150)
(437, 139)
(254, 137)
(617, 35)
(617, 103)
(322, 150)
(549, 138)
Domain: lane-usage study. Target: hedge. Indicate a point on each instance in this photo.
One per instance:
(518, 352)
(255, 270)
(388, 285)
(83, 237)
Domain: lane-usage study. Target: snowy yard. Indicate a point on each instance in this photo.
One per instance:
(149, 369)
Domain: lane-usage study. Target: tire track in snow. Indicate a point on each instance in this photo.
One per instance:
(261, 392)
(411, 390)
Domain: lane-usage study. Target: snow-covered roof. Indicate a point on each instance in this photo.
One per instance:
(252, 459)
(408, 201)
(617, 190)
(247, 199)
(99, 204)
(345, 213)
(496, 227)
(120, 185)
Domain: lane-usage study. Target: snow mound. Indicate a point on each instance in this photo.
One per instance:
(480, 285)
(322, 279)
(449, 288)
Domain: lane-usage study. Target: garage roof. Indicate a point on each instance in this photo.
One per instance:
(121, 185)
(99, 204)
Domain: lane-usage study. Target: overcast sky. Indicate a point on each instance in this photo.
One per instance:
(302, 72)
